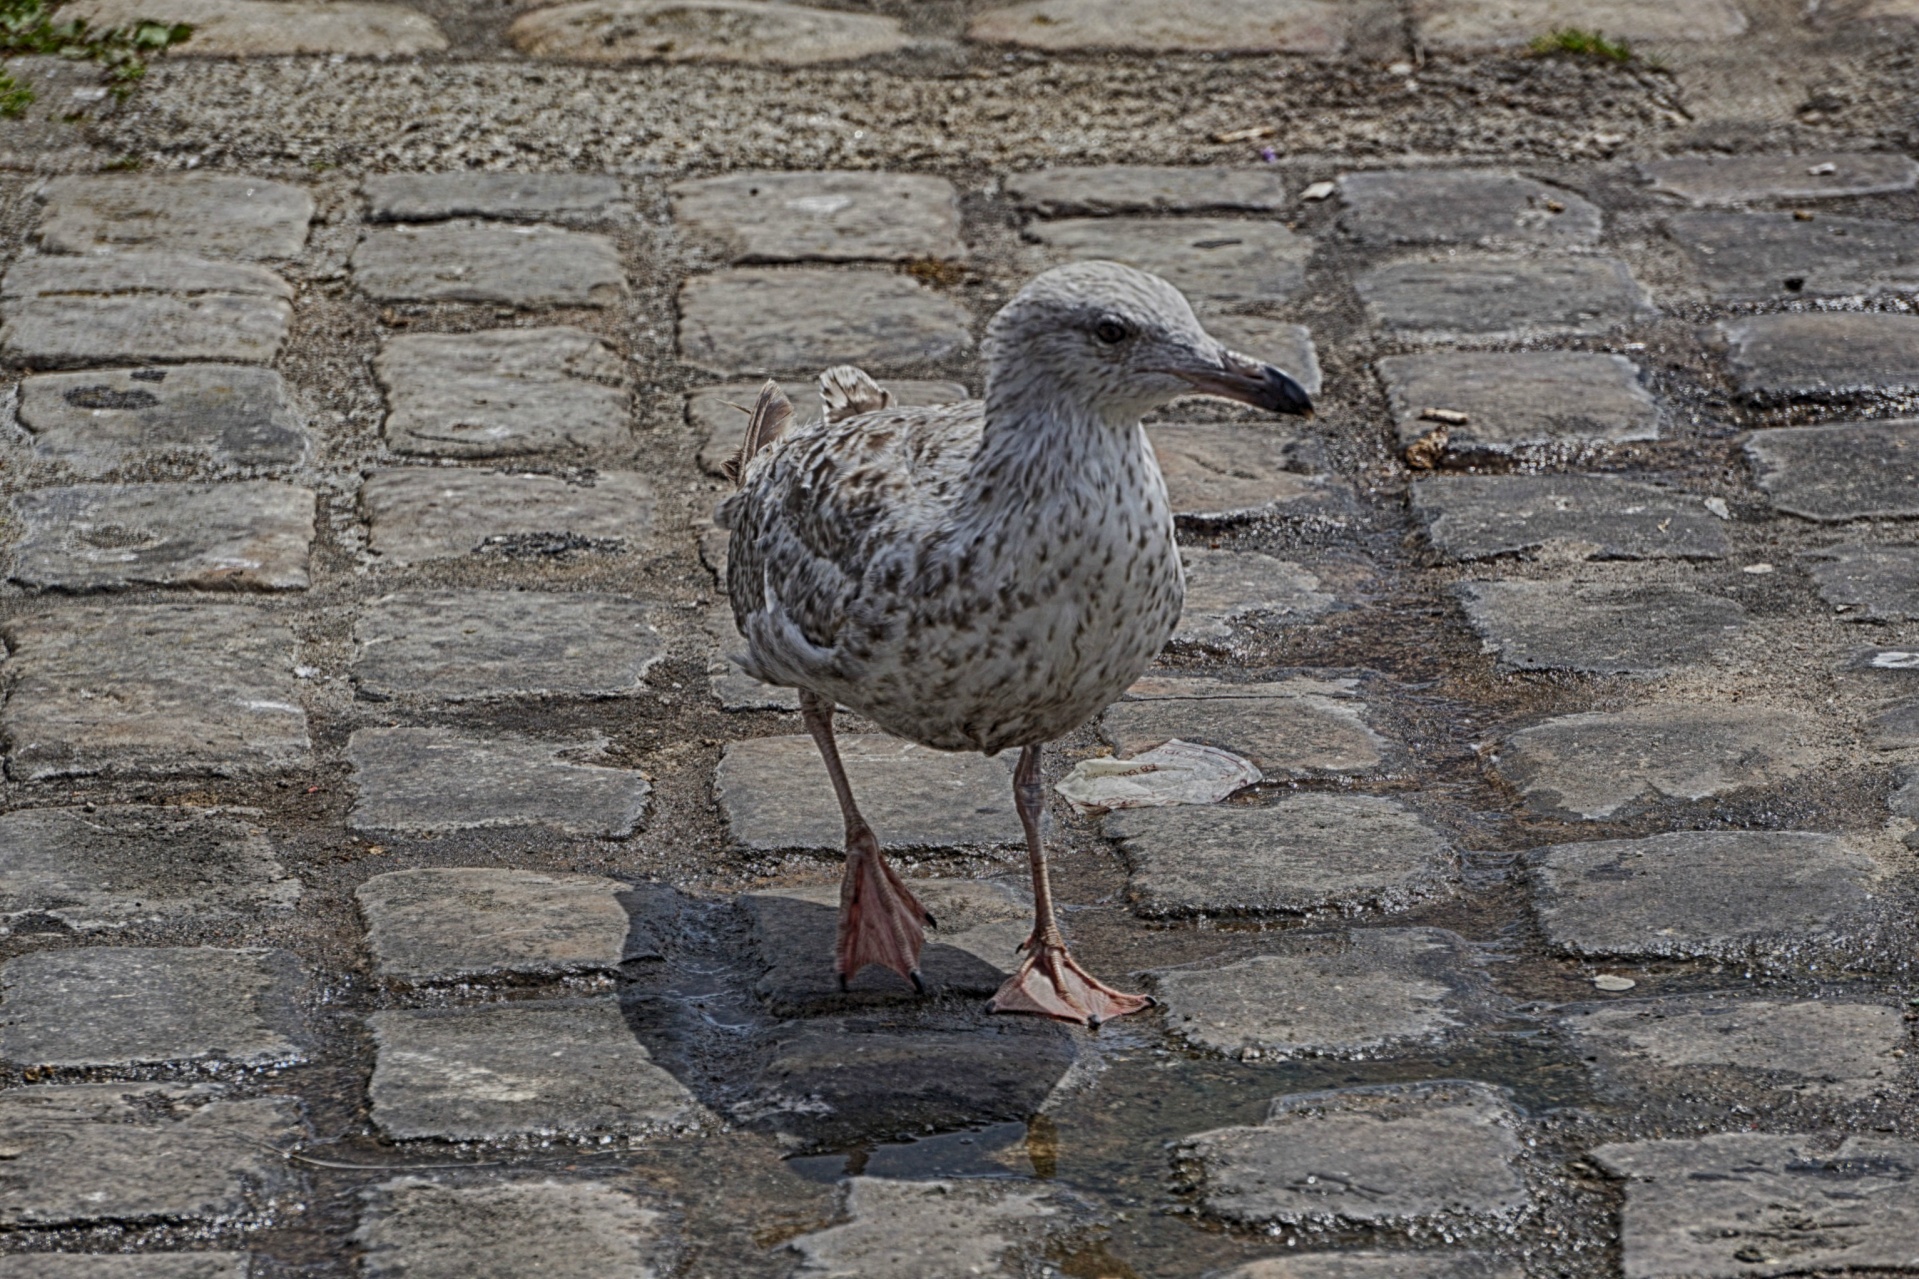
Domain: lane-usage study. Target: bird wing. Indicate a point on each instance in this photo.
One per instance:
(847, 392)
(772, 413)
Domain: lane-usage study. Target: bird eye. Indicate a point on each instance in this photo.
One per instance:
(1111, 332)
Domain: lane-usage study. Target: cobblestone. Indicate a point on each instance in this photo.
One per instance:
(1484, 207)
(623, 31)
(1102, 189)
(1287, 346)
(503, 393)
(251, 536)
(1225, 261)
(1474, 517)
(1465, 24)
(1822, 353)
(1599, 628)
(823, 217)
(759, 319)
(1377, 1265)
(1502, 298)
(418, 1228)
(1746, 179)
(163, 1265)
(1297, 727)
(719, 413)
(928, 1230)
(1191, 26)
(277, 28)
(454, 923)
(1761, 255)
(218, 415)
(474, 261)
(212, 214)
(416, 514)
(1229, 589)
(428, 781)
(517, 197)
(141, 307)
(1834, 473)
(1869, 583)
(1517, 401)
(1221, 472)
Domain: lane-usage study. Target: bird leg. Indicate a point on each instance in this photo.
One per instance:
(1049, 982)
(881, 922)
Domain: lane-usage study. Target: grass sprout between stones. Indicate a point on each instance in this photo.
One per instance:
(32, 26)
(1583, 44)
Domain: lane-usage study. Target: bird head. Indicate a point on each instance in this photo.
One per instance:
(1123, 343)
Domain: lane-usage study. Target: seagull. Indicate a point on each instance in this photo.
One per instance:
(981, 576)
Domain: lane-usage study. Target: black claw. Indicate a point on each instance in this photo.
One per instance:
(918, 985)
(1093, 1021)
(931, 923)
(842, 978)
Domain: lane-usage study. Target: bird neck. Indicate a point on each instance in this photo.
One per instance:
(1036, 442)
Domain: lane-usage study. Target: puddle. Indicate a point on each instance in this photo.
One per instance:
(997, 1150)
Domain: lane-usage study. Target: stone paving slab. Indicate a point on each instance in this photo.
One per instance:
(1396, 1154)
(1102, 189)
(1898, 725)
(419, 1228)
(524, 1068)
(897, 1229)
(165, 690)
(460, 645)
(1230, 261)
(1388, 990)
(432, 781)
(823, 217)
(1748, 179)
(1761, 255)
(1686, 894)
(1595, 764)
(111, 867)
(416, 514)
(145, 1153)
(1521, 400)
(1378, 1265)
(1853, 471)
(759, 319)
(1470, 24)
(213, 214)
(1747, 1203)
(248, 536)
(106, 1265)
(515, 197)
(1503, 298)
(1287, 346)
(1218, 472)
(503, 393)
(1825, 1046)
(1310, 854)
(276, 28)
(445, 924)
(476, 261)
(108, 1006)
(775, 795)
(221, 415)
(627, 31)
(1475, 517)
(1227, 589)
(1868, 583)
(1295, 727)
(1822, 353)
(1150, 26)
(141, 307)
(1600, 629)
(719, 413)
(1484, 207)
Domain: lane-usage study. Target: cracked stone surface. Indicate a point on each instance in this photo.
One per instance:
(1717, 893)
(1197, 26)
(1501, 298)
(1464, 24)
(929, 1230)
(1218, 472)
(823, 217)
(416, 514)
(220, 415)
(503, 393)
(1227, 589)
(1519, 401)
(216, 215)
(1835, 473)
(270, 28)
(1760, 255)
(1603, 629)
(761, 320)
(1101, 189)
(514, 197)
(429, 781)
(1815, 175)
(448, 923)
(119, 865)
(420, 1228)
(1822, 354)
(1378, 1265)
(1220, 260)
(1297, 727)
(1476, 517)
(136, 1006)
(713, 413)
(1313, 853)
(161, 1265)
(474, 261)
(1869, 583)
(250, 536)
(626, 31)
(1485, 207)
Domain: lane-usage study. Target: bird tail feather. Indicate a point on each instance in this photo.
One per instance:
(772, 414)
(848, 392)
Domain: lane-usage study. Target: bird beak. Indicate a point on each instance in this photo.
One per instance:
(1240, 377)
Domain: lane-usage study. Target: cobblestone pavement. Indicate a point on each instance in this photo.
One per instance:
(397, 879)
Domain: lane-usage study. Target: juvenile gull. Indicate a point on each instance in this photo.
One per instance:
(979, 576)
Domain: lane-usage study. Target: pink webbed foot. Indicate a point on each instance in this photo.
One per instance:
(881, 922)
(1050, 983)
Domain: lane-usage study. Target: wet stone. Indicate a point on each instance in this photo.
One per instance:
(1289, 728)
(117, 866)
(417, 1228)
(1502, 298)
(106, 1265)
(249, 536)
(759, 320)
(145, 1153)
(1520, 401)
(430, 781)
(462, 922)
(1747, 1203)
(276, 28)
(460, 645)
(222, 415)
(1389, 1154)
(1598, 763)
(1311, 854)
(982, 924)
(1103, 189)
(1465, 24)
(1823, 1047)
(1869, 583)
(1474, 517)
(217, 215)
(1386, 990)
(141, 307)
(1227, 589)
(1761, 255)
(474, 261)
(133, 1006)
(1823, 353)
(775, 795)
(1218, 260)
(517, 197)
(719, 413)
(823, 217)
(1288, 347)
(428, 513)
(1154, 26)
(627, 31)
(930, 1230)
(503, 1070)
(1486, 207)
(1813, 175)
(1858, 471)
(166, 690)
(503, 393)
(1703, 893)
(1605, 630)
(1378, 1265)
(1219, 471)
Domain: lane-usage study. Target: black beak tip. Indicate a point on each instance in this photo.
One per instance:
(1283, 394)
